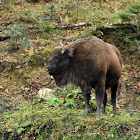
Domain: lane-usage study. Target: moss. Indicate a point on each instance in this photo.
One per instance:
(71, 122)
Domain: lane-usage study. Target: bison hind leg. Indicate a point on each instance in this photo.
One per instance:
(113, 96)
(105, 101)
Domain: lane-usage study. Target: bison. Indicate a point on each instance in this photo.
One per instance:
(88, 63)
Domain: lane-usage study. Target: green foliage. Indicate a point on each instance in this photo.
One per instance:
(25, 43)
(69, 120)
(43, 25)
(69, 94)
(72, 96)
(98, 33)
(134, 43)
(54, 102)
(67, 91)
(125, 17)
(16, 124)
(87, 33)
(70, 102)
(16, 32)
(29, 17)
(25, 124)
(42, 21)
(125, 39)
(135, 9)
(20, 130)
(132, 15)
(93, 102)
(22, 127)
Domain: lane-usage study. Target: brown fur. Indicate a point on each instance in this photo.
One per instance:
(93, 64)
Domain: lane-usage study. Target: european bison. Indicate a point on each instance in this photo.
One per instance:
(88, 63)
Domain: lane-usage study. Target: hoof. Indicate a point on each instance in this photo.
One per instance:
(86, 112)
(99, 114)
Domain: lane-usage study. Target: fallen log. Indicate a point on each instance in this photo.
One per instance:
(70, 26)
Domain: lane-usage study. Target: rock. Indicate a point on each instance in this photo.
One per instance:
(45, 94)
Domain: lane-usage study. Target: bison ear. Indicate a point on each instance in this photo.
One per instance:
(71, 52)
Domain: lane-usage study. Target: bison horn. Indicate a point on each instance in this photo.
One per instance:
(63, 48)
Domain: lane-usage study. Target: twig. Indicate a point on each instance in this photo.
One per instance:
(70, 26)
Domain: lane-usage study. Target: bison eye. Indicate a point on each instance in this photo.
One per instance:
(57, 59)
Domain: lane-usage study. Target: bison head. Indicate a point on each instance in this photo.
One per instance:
(60, 61)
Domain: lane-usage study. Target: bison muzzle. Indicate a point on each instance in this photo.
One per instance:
(88, 63)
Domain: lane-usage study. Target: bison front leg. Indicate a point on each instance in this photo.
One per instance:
(86, 91)
(100, 91)
(87, 106)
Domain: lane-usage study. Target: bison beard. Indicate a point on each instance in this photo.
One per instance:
(88, 63)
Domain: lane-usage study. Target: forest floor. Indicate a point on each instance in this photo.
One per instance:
(29, 32)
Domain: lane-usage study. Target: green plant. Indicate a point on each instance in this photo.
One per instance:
(87, 32)
(25, 43)
(20, 130)
(40, 20)
(133, 41)
(25, 124)
(16, 33)
(72, 96)
(22, 127)
(132, 16)
(125, 17)
(54, 102)
(93, 102)
(70, 103)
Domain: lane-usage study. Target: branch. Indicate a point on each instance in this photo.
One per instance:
(70, 26)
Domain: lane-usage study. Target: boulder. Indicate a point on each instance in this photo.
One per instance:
(45, 94)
